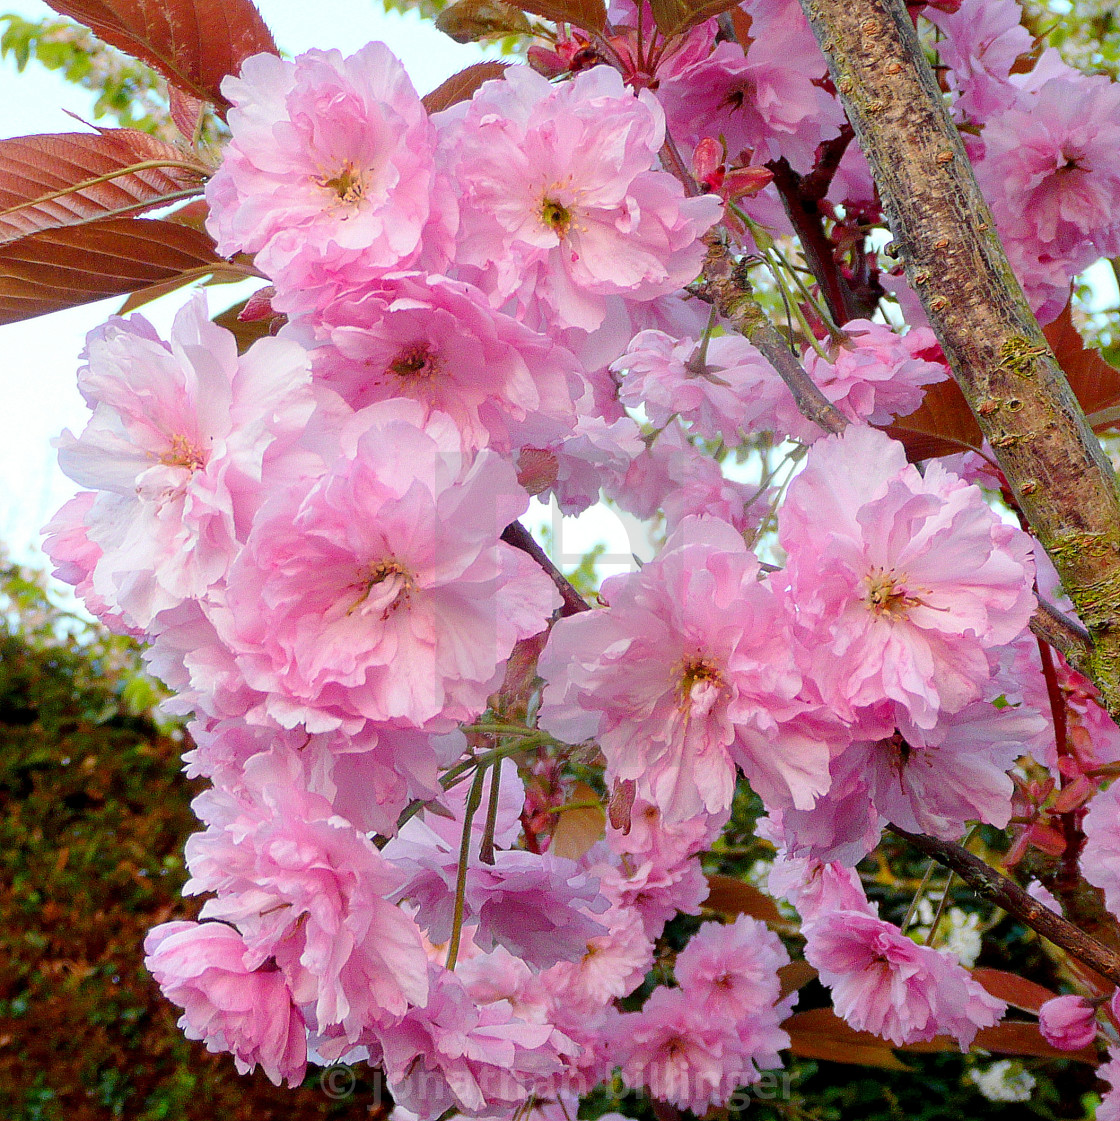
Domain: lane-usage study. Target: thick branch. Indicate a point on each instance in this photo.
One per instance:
(519, 537)
(805, 217)
(727, 285)
(944, 232)
(998, 889)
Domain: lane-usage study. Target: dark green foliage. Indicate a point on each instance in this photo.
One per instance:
(93, 815)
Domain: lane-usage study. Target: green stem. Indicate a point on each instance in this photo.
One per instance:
(474, 797)
(486, 849)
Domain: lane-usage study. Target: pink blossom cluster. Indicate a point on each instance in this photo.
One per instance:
(405, 722)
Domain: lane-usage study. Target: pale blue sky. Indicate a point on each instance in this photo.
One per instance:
(38, 358)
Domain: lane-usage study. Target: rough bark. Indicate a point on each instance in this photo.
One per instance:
(945, 237)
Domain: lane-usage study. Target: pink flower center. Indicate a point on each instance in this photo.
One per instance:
(388, 585)
(415, 361)
(182, 453)
(701, 684)
(348, 185)
(887, 595)
(556, 216)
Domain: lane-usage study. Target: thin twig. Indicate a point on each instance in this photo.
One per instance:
(519, 537)
(1066, 635)
(989, 884)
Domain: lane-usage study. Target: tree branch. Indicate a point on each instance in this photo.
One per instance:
(727, 285)
(1058, 472)
(1066, 635)
(989, 884)
(519, 537)
(805, 217)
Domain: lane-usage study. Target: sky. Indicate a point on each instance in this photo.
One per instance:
(39, 357)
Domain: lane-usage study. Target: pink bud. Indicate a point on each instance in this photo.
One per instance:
(1068, 1022)
(707, 163)
(742, 181)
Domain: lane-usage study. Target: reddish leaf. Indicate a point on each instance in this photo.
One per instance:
(1020, 993)
(821, 1034)
(674, 17)
(51, 181)
(467, 21)
(1095, 383)
(942, 425)
(588, 14)
(1012, 1037)
(194, 44)
(76, 265)
(462, 86)
(730, 896)
(186, 111)
(579, 827)
(247, 331)
(796, 975)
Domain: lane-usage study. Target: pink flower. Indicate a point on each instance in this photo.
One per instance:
(688, 673)
(439, 342)
(306, 890)
(876, 374)
(904, 583)
(884, 983)
(1100, 858)
(453, 1053)
(983, 41)
(66, 541)
(673, 477)
(1109, 1109)
(731, 971)
(613, 965)
(330, 167)
(368, 778)
(537, 906)
(1050, 174)
(174, 450)
(1068, 1022)
(923, 780)
(767, 102)
(686, 1056)
(815, 888)
(721, 393)
(380, 590)
(243, 1010)
(561, 205)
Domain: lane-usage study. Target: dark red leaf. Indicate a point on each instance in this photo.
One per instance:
(1029, 996)
(62, 268)
(247, 330)
(674, 17)
(1095, 383)
(194, 44)
(56, 180)
(942, 425)
(730, 896)
(468, 21)
(821, 1034)
(462, 86)
(588, 14)
(1012, 1037)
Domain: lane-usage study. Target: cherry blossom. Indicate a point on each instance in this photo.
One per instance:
(560, 203)
(247, 1011)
